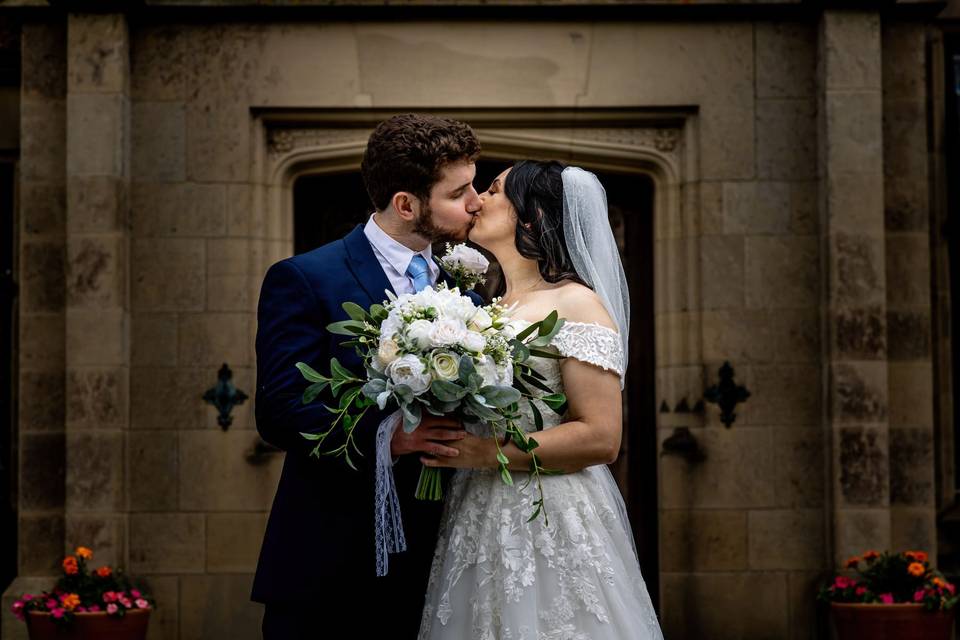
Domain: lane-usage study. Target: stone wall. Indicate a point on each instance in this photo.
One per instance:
(144, 241)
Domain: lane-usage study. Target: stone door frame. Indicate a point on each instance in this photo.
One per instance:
(661, 143)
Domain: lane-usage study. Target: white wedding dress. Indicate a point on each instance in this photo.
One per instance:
(497, 577)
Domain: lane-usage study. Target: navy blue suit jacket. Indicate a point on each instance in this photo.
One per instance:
(320, 534)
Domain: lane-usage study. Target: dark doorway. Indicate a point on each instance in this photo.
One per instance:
(328, 206)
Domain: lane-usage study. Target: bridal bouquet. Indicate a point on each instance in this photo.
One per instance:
(435, 351)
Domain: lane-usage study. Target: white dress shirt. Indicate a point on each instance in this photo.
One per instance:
(395, 258)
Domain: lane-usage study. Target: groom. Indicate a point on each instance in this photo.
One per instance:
(316, 573)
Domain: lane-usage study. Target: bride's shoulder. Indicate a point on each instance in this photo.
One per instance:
(579, 303)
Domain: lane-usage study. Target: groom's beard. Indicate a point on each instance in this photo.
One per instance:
(426, 228)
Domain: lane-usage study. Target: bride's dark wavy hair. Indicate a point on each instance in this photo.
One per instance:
(535, 189)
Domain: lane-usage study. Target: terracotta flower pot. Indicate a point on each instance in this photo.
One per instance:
(90, 626)
(902, 621)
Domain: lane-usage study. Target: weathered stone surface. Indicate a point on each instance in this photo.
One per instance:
(742, 605)
(679, 342)
(855, 202)
(210, 339)
(913, 528)
(230, 293)
(761, 335)
(158, 149)
(856, 530)
(153, 340)
(908, 269)
(43, 207)
(40, 544)
(218, 147)
(98, 204)
(160, 61)
(782, 272)
(799, 460)
(154, 475)
(165, 618)
(786, 539)
(169, 397)
(802, 589)
(218, 606)
(167, 274)
(863, 466)
(96, 135)
(904, 46)
(911, 467)
(106, 535)
(42, 283)
(241, 222)
(95, 471)
(857, 270)
(43, 132)
(216, 476)
(98, 53)
(167, 543)
(97, 338)
(178, 209)
(785, 60)
(42, 342)
(854, 139)
(233, 541)
(786, 139)
(905, 137)
(859, 333)
(97, 398)
(42, 471)
(42, 405)
(908, 334)
(722, 272)
(96, 272)
(906, 203)
(784, 394)
(851, 40)
(911, 394)
(703, 540)
(44, 59)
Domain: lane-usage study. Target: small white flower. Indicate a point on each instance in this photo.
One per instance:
(487, 369)
(447, 331)
(481, 320)
(470, 259)
(473, 341)
(409, 370)
(419, 332)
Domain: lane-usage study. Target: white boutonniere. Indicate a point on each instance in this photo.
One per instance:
(465, 265)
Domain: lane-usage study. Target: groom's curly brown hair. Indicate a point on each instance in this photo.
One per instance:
(408, 152)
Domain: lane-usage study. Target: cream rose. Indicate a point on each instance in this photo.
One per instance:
(445, 365)
(386, 353)
(446, 332)
(419, 332)
(481, 320)
(473, 341)
(410, 371)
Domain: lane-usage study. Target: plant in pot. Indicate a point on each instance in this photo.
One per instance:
(85, 604)
(891, 596)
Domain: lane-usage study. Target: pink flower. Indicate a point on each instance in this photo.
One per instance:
(51, 604)
(135, 593)
(918, 595)
(81, 609)
(112, 608)
(886, 598)
(142, 604)
(27, 597)
(17, 609)
(126, 602)
(861, 590)
(842, 582)
(93, 607)
(58, 612)
(109, 596)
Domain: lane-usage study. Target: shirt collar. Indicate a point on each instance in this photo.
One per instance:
(397, 255)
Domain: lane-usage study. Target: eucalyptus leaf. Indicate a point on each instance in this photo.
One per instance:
(541, 353)
(309, 373)
(411, 416)
(499, 396)
(555, 401)
(467, 369)
(479, 410)
(311, 436)
(502, 459)
(356, 312)
(373, 388)
(345, 328)
(446, 391)
(506, 477)
(547, 324)
(310, 393)
(520, 351)
(529, 330)
(340, 371)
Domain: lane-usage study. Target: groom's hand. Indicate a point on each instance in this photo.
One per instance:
(429, 437)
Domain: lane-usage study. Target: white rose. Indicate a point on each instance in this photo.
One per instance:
(505, 374)
(386, 353)
(419, 332)
(487, 370)
(468, 258)
(481, 320)
(447, 331)
(473, 341)
(445, 365)
(409, 370)
(392, 324)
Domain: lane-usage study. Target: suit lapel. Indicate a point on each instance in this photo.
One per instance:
(365, 267)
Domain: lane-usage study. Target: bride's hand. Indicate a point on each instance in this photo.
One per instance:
(473, 452)
(432, 436)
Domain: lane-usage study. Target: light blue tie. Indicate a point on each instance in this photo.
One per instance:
(420, 272)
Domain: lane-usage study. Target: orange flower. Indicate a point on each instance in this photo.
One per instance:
(70, 565)
(70, 601)
(916, 556)
(937, 582)
(870, 555)
(104, 572)
(84, 553)
(916, 569)
(852, 562)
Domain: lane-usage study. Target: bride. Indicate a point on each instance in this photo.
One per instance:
(495, 575)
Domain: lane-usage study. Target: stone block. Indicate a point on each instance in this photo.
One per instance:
(43, 134)
(95, 471)
(218, 606)
(722, 259)
(853, 137)
(43, 207)
(154, 475)
(908, 334)
(98, 204)
(97, 338)
(913, 528)
(42, 283)
(799, 463)
(857, 271)
(785, 394)
(859, 333)
(165, 618)
(774, 209)
(762, 335)
(161, 61)
(178, 209)
(218, 147)
(241, 220)
(233, 541)
(804, 207)
(782, 272)
(912, 467)
(735, 474)
(229, 256)
(786, 133)
(167, 543)
(97, 133)
(96, 272)
(97, 398)
(172, 398)
(904, 59)
(215, 474)
(788, 539)
(159, 145)
(730, 145)
(40, 544)
(786, 61)
(153, 340)
(42, 471)
(106, 535)
(43, 60)
(167, 274)
(851, 49)
(42, 403)
(98, 53)
(862, 463)
(230, 293)
(855, 203)
(725, 606)
(911, 394)
(906, 203)
(42, 342)
(703, 540)
(908, 269)
(679, 293)
(210, 339)
(802, 589)
(905, 137)
(679, 339)
(709, 197)
(857, 530)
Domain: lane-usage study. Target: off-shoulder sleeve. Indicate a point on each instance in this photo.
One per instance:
(591, 343)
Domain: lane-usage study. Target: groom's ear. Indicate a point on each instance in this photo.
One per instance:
(406, 205)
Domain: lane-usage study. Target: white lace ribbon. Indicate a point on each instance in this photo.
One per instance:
(386, 507)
